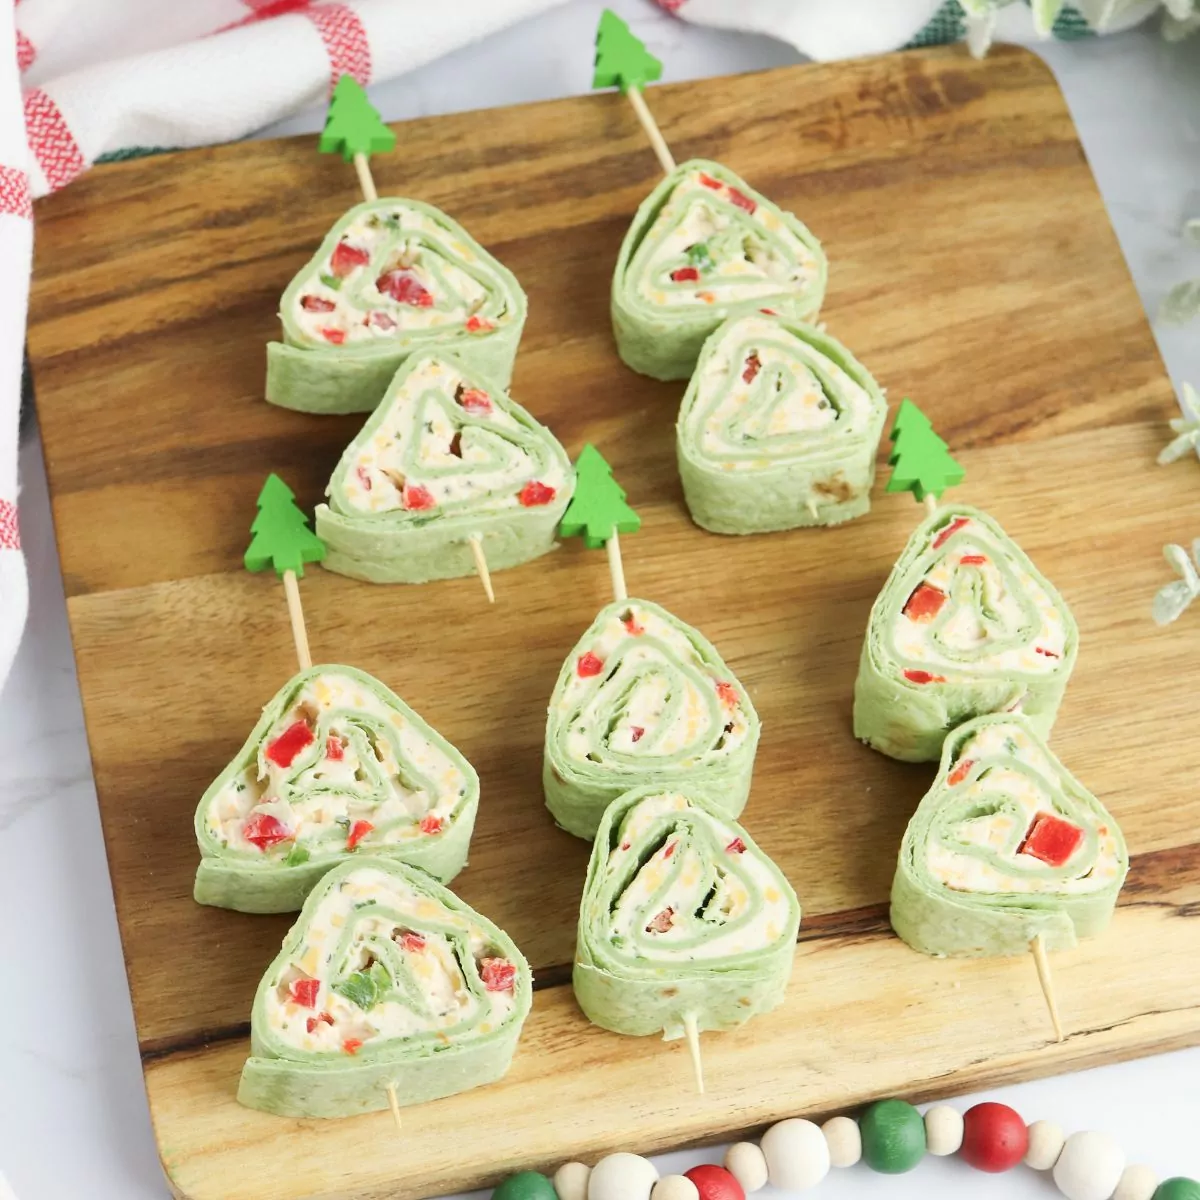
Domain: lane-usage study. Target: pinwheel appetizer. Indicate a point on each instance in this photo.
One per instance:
(778, 428)
(1006, 846)
(445, 458)
(338, 767)
(644, 699)
(703, 246)
(683, 919)
(386, 982)
(965, 625)
(392, 278)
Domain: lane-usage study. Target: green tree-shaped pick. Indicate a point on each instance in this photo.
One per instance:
(921, 461)
(282, 538)
(353, 126)
(621, 59)
(598, 508)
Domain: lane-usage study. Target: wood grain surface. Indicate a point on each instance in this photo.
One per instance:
(973, 267)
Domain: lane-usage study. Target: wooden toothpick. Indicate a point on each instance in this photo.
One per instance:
(615, 567)
(296, 613)
(366, 180)
(931, 503)
(693, 1041)
(921, 462)
(394, 1105)
(657, 142)
(598, 513)
(481, 566)
(1038, 946)
(355, 130)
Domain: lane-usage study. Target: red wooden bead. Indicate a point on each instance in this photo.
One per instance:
(715, 1183)
(995, 1137)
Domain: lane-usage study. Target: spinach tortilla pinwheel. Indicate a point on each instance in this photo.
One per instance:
(965, 625)
(778, 428)
(338, 767)
(1006, 846)
(445, 458)
(386, 981)
(392, 278)
(644, 699)
(702, 246)
(683, 918)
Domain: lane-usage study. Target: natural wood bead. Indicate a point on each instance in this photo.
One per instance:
(747, 1164)
(943, 1130)
(674, 1187)
(571, 1181)
(1138, 1182)
(622, 1177)
(1045, 1145)
(844, 1139)
(1089, 1167)
(796, 1153)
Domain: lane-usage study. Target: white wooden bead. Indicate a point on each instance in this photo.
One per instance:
(844, 1139)
(747, 1164)
(1089, 1167)
(674, 1187)
(1138, 1182)
(943, 1130)
(622, 1177)
(797, 1154)
(1045, 1145)
(571, 1181)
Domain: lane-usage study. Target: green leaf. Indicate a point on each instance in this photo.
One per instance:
(365, 988)
(353, 125)
(297, 855)
(598, 507)
(331, 281)
(282, 538)
(622, 60)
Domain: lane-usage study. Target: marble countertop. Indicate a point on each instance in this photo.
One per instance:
(73, 1118)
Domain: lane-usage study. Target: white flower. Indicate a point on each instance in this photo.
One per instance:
(1171, 600)
(1186, 428)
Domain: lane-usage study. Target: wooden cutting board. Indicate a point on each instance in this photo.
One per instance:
(973, 267)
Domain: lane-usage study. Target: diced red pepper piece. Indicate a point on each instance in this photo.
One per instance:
(265, 831)
(418, 498)
(1051, 839)
(320, 1019)
(925, 602)
(475, 400)
(662, 922)
(1047, 653)
(431, 823)
(304, 992)
(727, 694)
(737, 846)
(742, 200)
(414, 943)
(753, 366)
(535, 493)
(282, 750)
(498, 974)
(769, 311)
(710, 182)
(405, 288)
(589, 664)
(972, 560)
(456, 445)
(345, 258)
(334, 748)
(358, 831)
(316, 304)
(631, 623)
(636, 733)
(685, 275)
(335, 336)
(922, 676)
(671, 848)
(626, 845)
(352, 1045)
(950, 530)
(960, 772)
(381, 320)
(479, 325)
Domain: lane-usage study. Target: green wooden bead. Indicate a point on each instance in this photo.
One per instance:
(1178, 1189)
(893, 1137)
(528, 1185)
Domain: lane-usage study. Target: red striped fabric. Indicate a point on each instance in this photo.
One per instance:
(345, 41)
(14, 192)
(10, 530)
(50, 140)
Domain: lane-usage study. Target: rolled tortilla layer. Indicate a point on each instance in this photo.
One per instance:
(338, 767)
(682, 916)
(446, 457)
(965, 625)
(385, 980)
(644, 699)
(778, 429)
(703, 246)
(1005, 846)
(393, 277)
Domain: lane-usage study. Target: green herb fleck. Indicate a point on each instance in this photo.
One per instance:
(365, 988)
(330, 281)
(700, 256)
(296, 855)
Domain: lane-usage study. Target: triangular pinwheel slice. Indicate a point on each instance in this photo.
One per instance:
(338, 767)
(683, 918)
(644, 699)
(393, 277)
(965, 625)
(703, 246)
(386, 981)
(445, 458)
(1007, 845)
(778, 428)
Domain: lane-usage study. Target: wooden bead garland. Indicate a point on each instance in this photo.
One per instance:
(891, 1137)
